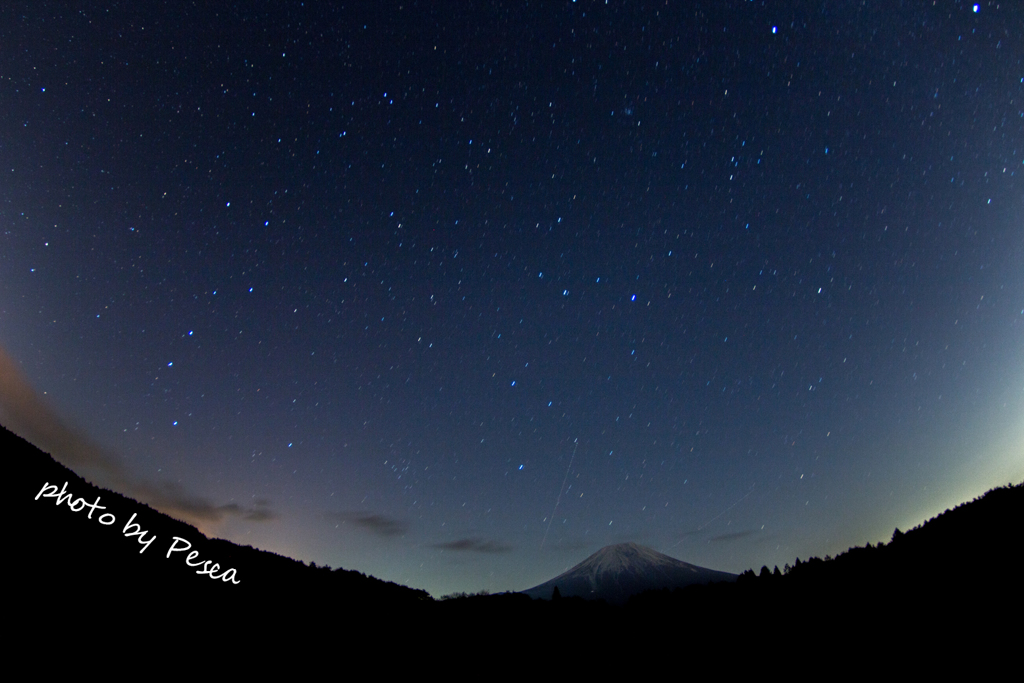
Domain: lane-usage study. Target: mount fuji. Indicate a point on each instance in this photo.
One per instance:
(616, 572)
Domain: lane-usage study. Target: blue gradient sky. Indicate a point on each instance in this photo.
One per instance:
(457, 296)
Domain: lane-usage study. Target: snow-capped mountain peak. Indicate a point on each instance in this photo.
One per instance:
(616, 572)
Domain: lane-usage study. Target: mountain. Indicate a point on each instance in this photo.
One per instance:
(616, 572)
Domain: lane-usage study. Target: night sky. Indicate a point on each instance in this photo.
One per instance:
(455, 294)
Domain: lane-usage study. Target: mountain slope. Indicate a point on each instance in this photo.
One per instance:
(616, 572)
(88, 547)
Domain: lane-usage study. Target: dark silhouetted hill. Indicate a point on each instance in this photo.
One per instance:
(112, 553)
(940, 589)
(947, 583)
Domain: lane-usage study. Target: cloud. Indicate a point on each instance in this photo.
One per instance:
(474, 545)
(172, 499)
(731, 537)
(23, 412)
(261, 513)
(376, 524)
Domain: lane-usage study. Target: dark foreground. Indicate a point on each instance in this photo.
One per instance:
(942, 593)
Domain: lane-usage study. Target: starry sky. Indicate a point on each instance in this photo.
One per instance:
(455, 294)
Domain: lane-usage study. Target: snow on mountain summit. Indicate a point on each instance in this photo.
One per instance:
(616, 572)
